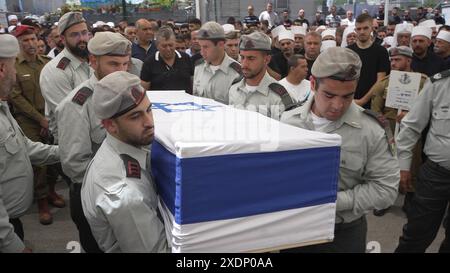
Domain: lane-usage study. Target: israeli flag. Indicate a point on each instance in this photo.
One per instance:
(233, 180)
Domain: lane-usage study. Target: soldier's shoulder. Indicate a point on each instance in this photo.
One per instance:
(199, 62)
(440, 76)
(236, 67)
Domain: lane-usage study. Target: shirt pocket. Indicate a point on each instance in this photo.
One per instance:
(441, 122)
(12, 145)
(351, 166)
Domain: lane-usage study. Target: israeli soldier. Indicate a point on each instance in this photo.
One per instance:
(258, 91)
(216, 72)
(369, 172)
(119, 197)
(80, 131)
(17, 153)
(67, 70)
(431, 199)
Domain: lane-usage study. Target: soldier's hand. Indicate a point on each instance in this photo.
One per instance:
(401, 116)
(44, 133)
(405, 181)
(44, 123)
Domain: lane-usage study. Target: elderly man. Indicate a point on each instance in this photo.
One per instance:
(299, 36)
(369, 173)
(279, 61)
(442, 47)
(144, 45)
(424, 60)
(402, 34)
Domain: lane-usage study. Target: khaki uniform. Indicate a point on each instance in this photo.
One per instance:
(380, 91)
(120, 201)
(369, 173)
(28, 105)
(58, 78)
(263, 100)
(17, 153)
(216, 85)
(80, 131)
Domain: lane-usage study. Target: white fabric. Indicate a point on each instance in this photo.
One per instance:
(319, 123)
(423, 31)
(289, 227)
(347, 31)
(444, 35)
(329, 32)
(251, 88)
(388, 41)
(327, 44)
(298, 30)
(401, 28)
(12, 17)
(297, 92)
(286, 35)
(228, 28)
(428, 23)
(188, 134)
(111, 24)
(276, 31)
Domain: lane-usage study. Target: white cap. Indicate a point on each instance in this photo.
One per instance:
(111, 24)
(2, 30)
(329, 32)
(276, 31)
(347, 31)
(228, 28)
(12, 17)
(98, 24)
(421, 30)
(444, 35)
(286, 35)
(321, 28)
(298, 30)
(327, 44)
(428, 23)
(404, 28)
(11, 28)
(388, 41)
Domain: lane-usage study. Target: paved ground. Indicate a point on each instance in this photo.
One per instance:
(62, 235)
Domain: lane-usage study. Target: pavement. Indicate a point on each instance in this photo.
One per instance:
(62, 235)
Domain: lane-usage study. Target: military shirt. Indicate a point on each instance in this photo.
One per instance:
(120, 203)
(263, 100)
(17, 153)
(80, 131)
(431, 107)
(216, 84)
(26, 96)
(135, 67)
(369, 174)
(58, 79)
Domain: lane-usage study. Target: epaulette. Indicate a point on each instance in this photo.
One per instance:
(132, 166)
(288, 102)
(199, 61)
(440, 76)
(387, 129)
(63, 63)
(236, 67)
(82, 95)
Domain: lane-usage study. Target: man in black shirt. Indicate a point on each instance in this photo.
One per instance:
(318, 21)
(301, 19)
(278, 63)
(251, 20)
(144, 46)
(424, 61)
(375, 58)
(167, 69)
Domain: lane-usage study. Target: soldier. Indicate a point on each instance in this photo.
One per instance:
(17, 153)
(216, 72)
(368, 173)
(81, 133)
(67, 70)
(119, 197)
(401, 58)
(432, 195)
(258, 91)
(29, 106)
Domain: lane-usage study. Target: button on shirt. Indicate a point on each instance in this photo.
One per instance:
(80, 133)
(122, 211)
(17, 153)
(263, 100)
(57, 83)
(368, 174)
(215, 84)
(165, 77)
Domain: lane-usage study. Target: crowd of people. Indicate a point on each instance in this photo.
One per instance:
(73, 108)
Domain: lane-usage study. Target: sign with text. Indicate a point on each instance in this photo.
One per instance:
(403, 89)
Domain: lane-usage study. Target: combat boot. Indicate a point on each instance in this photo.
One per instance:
(56, 200)
(45, 217)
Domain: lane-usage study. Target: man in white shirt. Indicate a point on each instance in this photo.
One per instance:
(295, 83)
(269, 15)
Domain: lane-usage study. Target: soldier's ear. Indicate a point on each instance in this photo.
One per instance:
(313, 83)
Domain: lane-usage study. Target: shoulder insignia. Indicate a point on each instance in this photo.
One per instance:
(441, 75)
(236, 67)
(288, 102)
(387, 129)
(132, 166)
(82, 95)
(63, 63)
(199, 61)
(238, 79)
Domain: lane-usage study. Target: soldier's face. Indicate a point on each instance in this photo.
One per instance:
(210, 52)
(76, 38)
(400, 63)
(7, 76)
(232, 48)
(105, 65)
(135, 127)
(28, 44)
(253, 63)
(332, 98)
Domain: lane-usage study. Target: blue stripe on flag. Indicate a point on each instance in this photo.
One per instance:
(231, 186)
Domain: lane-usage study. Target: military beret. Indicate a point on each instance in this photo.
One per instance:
(337, 63)
(21, 30)
(211, 30)
(69, 19)
(117, 94)
(10, 46)
(401, 50)
(109, 43)
(255, 41)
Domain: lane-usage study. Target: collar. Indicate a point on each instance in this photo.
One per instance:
(263, 84)
(123, 148)
(21, 58)
(92, 81)
(157, 55)
(225, 65)
(74, 61)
